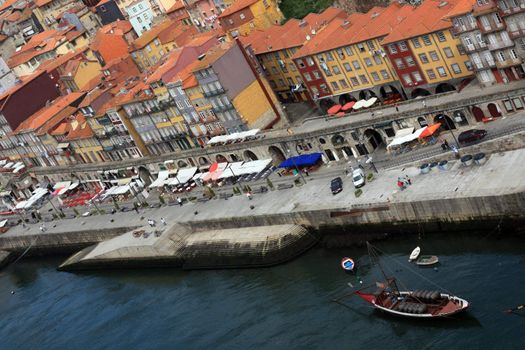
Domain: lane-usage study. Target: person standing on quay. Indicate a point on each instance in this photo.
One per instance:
(179, 201)
(163, 221)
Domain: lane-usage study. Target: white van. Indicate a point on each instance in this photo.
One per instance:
(358, 178)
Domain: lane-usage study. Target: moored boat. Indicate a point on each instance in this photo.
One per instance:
(427, 260)
(414, 254)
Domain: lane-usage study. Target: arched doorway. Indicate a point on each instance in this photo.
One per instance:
(145, 176)
(345, 98)
(444, 87)
(493, 110)
(234, 158)
(419, 92)
(277, 155)
(459, 118)
(182, 164)
(219, 158)
(422, 122)
(322, 141)
(338, 140)
(373, 138)
(446, 122)
(347, 151)
(191, 161)
(203, 161)
(390, 92)
(325, 104)
(366, 94)
(249, 155)
(478, 114)
(330, 155)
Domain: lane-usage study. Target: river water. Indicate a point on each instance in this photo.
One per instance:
(283, 307)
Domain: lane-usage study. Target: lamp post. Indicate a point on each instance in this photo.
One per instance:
(442, 116)
(369, 160)
(295, 166)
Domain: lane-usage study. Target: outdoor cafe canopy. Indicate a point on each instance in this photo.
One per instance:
(244, 168)
(302, 160)
(183, 176)
(233, 137)
(404, 138)
(430, 130)
(334, 109)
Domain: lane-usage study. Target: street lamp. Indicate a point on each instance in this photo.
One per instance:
(369, 160)
(295, 166)
(443, 117)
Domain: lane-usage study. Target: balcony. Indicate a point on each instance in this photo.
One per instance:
(508, 62)
(498, 45)
(213, 93)
(483, 64)
(493, 26)
(476, 46)
(514, 10)
(515, 33)
(208, 119)
(482, 9)
(467, 27)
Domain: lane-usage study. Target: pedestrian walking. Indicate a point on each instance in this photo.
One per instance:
(179, 201)
(136, 207)
(42, 228)
(408, 180)
(447, 146)
(249, 195)
(306, 172)
(424, 103)
(400, 184)
(163, 221)
(397, 107)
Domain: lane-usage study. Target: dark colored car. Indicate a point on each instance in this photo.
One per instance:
(336, 185)
(471, 136)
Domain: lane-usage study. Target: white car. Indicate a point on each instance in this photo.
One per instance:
(358, 178)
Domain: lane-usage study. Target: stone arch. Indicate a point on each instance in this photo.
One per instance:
(446, 122)
(345, 98)
(444, 87)
(277, 155)
(203, 161)
(182, 164)
(366, 94)
(322, 141)
(389, 92)
(249, 155)
(234, 158)
(325, 104)
(422, 122)
(219, 158)
(494, 110)
(338, 140)
(478, 114)
(330, 155)
(191, 162)
(420, 92)
(144, 175)
(347, 151)
(373, 137)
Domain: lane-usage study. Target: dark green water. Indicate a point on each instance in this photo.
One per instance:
(284, 307)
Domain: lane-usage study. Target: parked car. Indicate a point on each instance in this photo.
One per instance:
(336, 185)
(471, 136)
(358, 178)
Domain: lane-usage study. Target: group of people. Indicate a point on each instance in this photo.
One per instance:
(446, 147)
(403, 182)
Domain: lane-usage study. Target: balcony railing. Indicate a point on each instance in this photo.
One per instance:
(476, 46)
(467, 27)
(514, 10)
(208, 119)
(516, 33)
(498, 45)
(213, 93)
(483, 64)
(492, 27)
(481, 9)
(508, 62)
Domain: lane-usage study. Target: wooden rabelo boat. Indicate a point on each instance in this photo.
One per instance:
(417, 303)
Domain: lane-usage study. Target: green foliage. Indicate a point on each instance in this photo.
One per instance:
(211, 192)
(369, 177)
(300, 8)
(358, 192)
(76, 212)
(161, 200)
(270, 183)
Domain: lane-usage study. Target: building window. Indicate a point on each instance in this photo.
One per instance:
(368, 62)
(335, 86)
(102, 8)
(431, 75)
(448, 52)
(468, 64)
(441, 71)
(329, 56)
(417, 76)
(310, 61)
(410, 61)
(375, 76)
(274, 70)
(403, 46)
(423, 58)
(370, 45)
(461, 49)
(508, 106)
(392, 48)
(336, 70)
(148, 48)
(292, 67)
(361, 47)
(517, 103)
(399, 63)
(347, 67)
(156, 42)
(441, 36)
(324, 87)
(242, 16)
(356, 65)
(513, 54)
(455, 68)
(433, 56)
(354, 81)
(377, 59)
(340, 54)
(290, 81)
(501, 56)
(316, 74)
(416, 42)
(349, 51)
(384, 73)
(426, 40)
(407, 79)
(343, 83)
(300, 63)
(307, 76)
(363, 79)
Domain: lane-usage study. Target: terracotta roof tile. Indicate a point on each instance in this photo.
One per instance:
(79, 129)
(213, 55)
(150, 35)
(177, 6)
(463, 7)
(238, 5)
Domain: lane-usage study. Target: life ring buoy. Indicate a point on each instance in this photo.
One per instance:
(347, 264)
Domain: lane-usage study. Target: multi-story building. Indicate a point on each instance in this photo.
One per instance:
(140, 16)
(275, 46)
(81, 17)
(238, 96)
(147, 50)
(426, 55)
(179, 14)
(48, 11)
(7, 77)
(245, 16)
(86, 148)
(78, 72)
(492, 34)
(109, 12)
(203, 13)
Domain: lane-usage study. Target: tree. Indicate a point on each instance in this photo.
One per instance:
(300, 8)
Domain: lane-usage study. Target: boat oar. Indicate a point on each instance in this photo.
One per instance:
(517, 308)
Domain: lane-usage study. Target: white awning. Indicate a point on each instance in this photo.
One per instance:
(186, 175)
(235, 136)
(370, 102)
(9, 165)
(17, 169)
(63, 145)
(406, 138)
(18, 164)
(73, 186)
(161, 179)
(121, 190)
(63, 184)
(21, 205)
(358, 105)
(2, 223)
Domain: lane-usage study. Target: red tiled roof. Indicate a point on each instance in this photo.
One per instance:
(61, 129)
(238, 5)
(7, 4)
(176, 33)
(110, 46)
(40, 3)
(213, 55)
(150, 35)
(118, 27)
(58, 61)
(79, 129)
(463, 7)
(170, 62)
(177, 6)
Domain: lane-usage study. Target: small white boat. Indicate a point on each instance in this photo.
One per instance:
(426, 260)
(414, 254)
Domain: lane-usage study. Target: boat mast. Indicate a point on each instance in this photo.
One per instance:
(391, 281)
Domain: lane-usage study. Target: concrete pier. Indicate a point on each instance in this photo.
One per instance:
(176, 246)
(4, 258)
